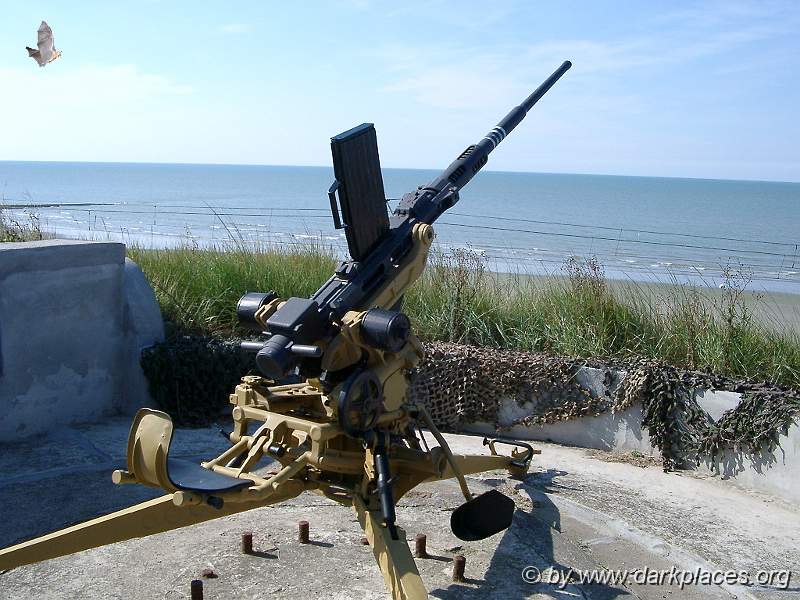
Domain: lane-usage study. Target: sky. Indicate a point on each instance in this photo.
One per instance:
(678, 89)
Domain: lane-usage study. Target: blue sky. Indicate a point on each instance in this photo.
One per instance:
(682, 89)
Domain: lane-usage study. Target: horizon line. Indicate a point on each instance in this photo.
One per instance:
(223, 164)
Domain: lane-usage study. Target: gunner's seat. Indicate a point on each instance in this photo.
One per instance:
(148, 459)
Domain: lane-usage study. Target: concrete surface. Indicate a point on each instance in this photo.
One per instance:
(73, 317)
(777, 473)
(574, 510)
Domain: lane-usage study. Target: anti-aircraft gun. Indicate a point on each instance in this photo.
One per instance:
(331, 407)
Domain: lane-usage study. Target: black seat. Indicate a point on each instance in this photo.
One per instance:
(149, 462)
(191, 477)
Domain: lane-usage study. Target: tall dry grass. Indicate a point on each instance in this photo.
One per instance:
(14, 229)
(198, 288)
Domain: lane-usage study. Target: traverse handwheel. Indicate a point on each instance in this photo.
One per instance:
(360, 403)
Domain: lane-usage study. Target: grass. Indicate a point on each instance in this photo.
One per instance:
(458, 300)
(198, 289)
(14, 230)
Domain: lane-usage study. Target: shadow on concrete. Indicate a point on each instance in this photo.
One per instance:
(262, 554)
(730, 463)
(530, 542)
(439, 558)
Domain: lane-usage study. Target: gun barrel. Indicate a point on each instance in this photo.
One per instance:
(514, 118)
(474, 158)
(427, 207)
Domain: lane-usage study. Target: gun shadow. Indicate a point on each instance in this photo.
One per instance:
(529, 542)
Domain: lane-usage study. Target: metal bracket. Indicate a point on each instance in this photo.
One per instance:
(521, 462)
(337, 222)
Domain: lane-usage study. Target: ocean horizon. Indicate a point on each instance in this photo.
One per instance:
(416, 169)
(642, 228)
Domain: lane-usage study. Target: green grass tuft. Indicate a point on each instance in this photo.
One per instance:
(198, 289)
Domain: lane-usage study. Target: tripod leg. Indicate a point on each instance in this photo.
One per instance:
(140, 520)
(473, 463)
(393, 556)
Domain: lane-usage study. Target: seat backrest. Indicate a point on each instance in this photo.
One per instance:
(148, 448)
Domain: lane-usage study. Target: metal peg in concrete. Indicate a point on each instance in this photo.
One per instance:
(197, 589)
(247, 542)
(302, 536)
(459, 563)
(420, 551)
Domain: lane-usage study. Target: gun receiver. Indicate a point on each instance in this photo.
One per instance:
(300, 329)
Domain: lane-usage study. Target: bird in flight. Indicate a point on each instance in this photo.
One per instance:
(46, 52)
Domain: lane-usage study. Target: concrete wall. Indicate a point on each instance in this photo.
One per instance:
(74, 316)
(777, 474)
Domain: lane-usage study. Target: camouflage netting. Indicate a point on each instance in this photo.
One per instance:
(191, 378)
(461, 384)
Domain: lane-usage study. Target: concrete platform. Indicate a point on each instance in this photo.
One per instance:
(577, 510)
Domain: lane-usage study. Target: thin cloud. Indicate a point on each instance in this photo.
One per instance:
(233, 28)
(82, 88)
(92, 110)
(466, 77)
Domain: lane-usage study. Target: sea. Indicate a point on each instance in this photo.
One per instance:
(697, 231)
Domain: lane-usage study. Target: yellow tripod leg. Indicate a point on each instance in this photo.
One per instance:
(393, 556)
(407, 479)
(154, 516)
(473, 463)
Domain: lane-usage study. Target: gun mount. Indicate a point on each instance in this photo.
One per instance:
(331, 408)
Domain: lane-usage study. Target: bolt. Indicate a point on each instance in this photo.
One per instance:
(247, 542)
(420, 551)
(303, 532)
(197, 589)
(364, 541)
(459, 562)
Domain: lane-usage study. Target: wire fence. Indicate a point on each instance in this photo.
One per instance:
(509, 244)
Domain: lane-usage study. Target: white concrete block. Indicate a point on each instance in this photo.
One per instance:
(68, 334)
(717, 402)
(613, 432)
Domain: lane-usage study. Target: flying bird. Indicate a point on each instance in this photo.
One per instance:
(47, 52)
